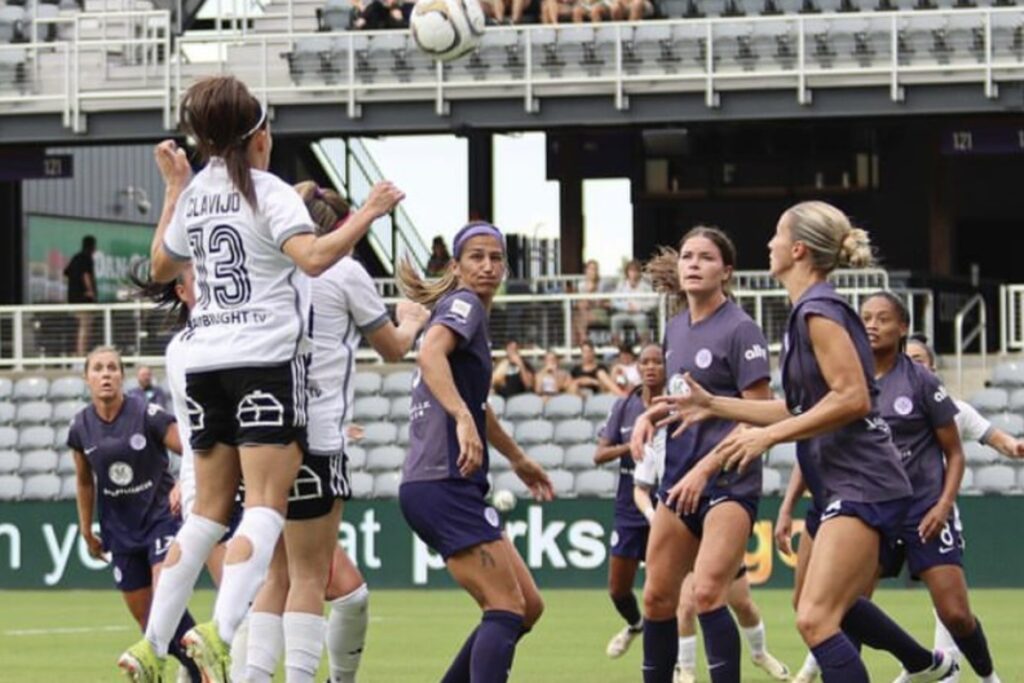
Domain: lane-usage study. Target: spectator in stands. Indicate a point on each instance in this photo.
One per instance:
(81, 275)
(513, 374)
(592, 377)
(596, 11)
(554, 11)
(589, 312)
(439, 258)
(381, 14)
(625, 372)
(149, 392)
(551, 379)
(629, 310)
(633, 10)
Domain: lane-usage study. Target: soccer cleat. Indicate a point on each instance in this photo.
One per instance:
(204, 646)
(681, 675)
(806, 675)
(943, 664)
(772, 666)
(141, 664)
(903, 677)
(620, 642)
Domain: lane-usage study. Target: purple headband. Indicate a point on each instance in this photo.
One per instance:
(475, 230)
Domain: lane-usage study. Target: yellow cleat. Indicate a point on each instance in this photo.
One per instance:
(212, 655)
(141, 664)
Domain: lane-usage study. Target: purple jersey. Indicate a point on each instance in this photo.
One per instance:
(914, 403)
(433, 446)
(617, 430)
(726, 353)
(130, 468)
(858, 461)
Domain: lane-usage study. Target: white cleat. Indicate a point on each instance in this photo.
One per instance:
(943, 665)
(806, 675)
(681, 675)
(620, 642)
(772, 666)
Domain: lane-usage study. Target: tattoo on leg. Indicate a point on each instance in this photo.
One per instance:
(486, 559)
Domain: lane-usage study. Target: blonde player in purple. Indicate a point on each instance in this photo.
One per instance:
(707, 515)
(845, 450)
(445, 474)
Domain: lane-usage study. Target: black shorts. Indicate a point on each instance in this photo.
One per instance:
(247, 406)
(322, 479)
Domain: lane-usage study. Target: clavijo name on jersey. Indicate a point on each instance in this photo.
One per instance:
(213, 204)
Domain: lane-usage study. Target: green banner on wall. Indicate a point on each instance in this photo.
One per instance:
(565, 543)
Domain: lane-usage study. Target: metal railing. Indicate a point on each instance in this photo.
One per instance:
(1011, 318)
(40, 336)
(979, 332)
(800, 53)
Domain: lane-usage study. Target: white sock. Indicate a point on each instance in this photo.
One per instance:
(195, 540)
(303, 644)
(265, 646)
(346, 634)
(239, 654)
(944, 639)
(242, 580)
(688, 653)
(755, 639)
(991, 678)
(810, 665)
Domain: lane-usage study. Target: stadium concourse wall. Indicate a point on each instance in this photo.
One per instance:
(565, 543)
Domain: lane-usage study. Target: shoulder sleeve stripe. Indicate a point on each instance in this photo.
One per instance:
(374, 324)
(292, 232)
(175, 255)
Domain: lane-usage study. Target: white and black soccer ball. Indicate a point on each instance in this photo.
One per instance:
(447, 29)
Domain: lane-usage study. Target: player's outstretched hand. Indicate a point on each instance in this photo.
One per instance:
(383, 198)
(742, 447)
(643, 434)
(413, 312)
(784, 531)
(173, 165)
(690, 403)
(471, 449)
(536, 479)
(684, 497)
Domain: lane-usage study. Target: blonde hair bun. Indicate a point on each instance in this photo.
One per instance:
(856, 251)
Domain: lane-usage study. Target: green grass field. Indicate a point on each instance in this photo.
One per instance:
(75, 636)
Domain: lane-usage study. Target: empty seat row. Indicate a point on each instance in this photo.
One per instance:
(39, 412)
(36, 462)
(368, 383)
(1008, 375)
(530, 406)
(39, 388)
(998, 399)
(30, 438)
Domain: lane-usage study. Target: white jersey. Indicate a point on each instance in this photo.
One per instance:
(346, 306)
(251, 301)
(970, 423)
(651, 470)
(174, 358)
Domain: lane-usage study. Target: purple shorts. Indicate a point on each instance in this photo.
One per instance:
(695, 522)
(133, 569)
(945, 549)
(886, 518)
(630, 542)
(449, 515)
(812, 520)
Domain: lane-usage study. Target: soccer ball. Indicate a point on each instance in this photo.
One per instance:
(447, 29)
(503, 500)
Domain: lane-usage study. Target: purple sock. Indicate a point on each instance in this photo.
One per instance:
(628, 609)
(975, 649)
(661, 648)
(868, 624)
(458, 671)
(178, 652)
(839, 661)
(495, 646)
(722, 645)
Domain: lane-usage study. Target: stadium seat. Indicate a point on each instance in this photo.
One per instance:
(967, 483)
(403, 434)
(356, 456)
(547, 455)
(534, 431)
(371, 408)
(598, 406)
(66, 463)
(366, 383)
(8, 438)
(596, 483)
(10, 461)
(573, 431)
(508, 481)
(7, 412)
(68, 487)
(563, 406)
(337, 15)
(1016, 402)
(38, 461)
(384, 458)
(379, 434)
(783, 455)
(498, 462)
(30, 438)
(41, 487)
(497, 404)
(771, 481)
(979, 454)
(13, 73)
(31, 389)
(310, 56)
(1009, 423)
(385, 485)
(508, 426)
(990, 401)
(362, 484)
(67, 388)
(524, 407)
(400, 408)
(13, 20)
(44, 31)
(580, 456)
(65, 411)
(397, 383)
(33, 412)
(6, 388)
(10, 487)
(1005, 374)
(61, 438)
(995, 479)
(563, 483)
